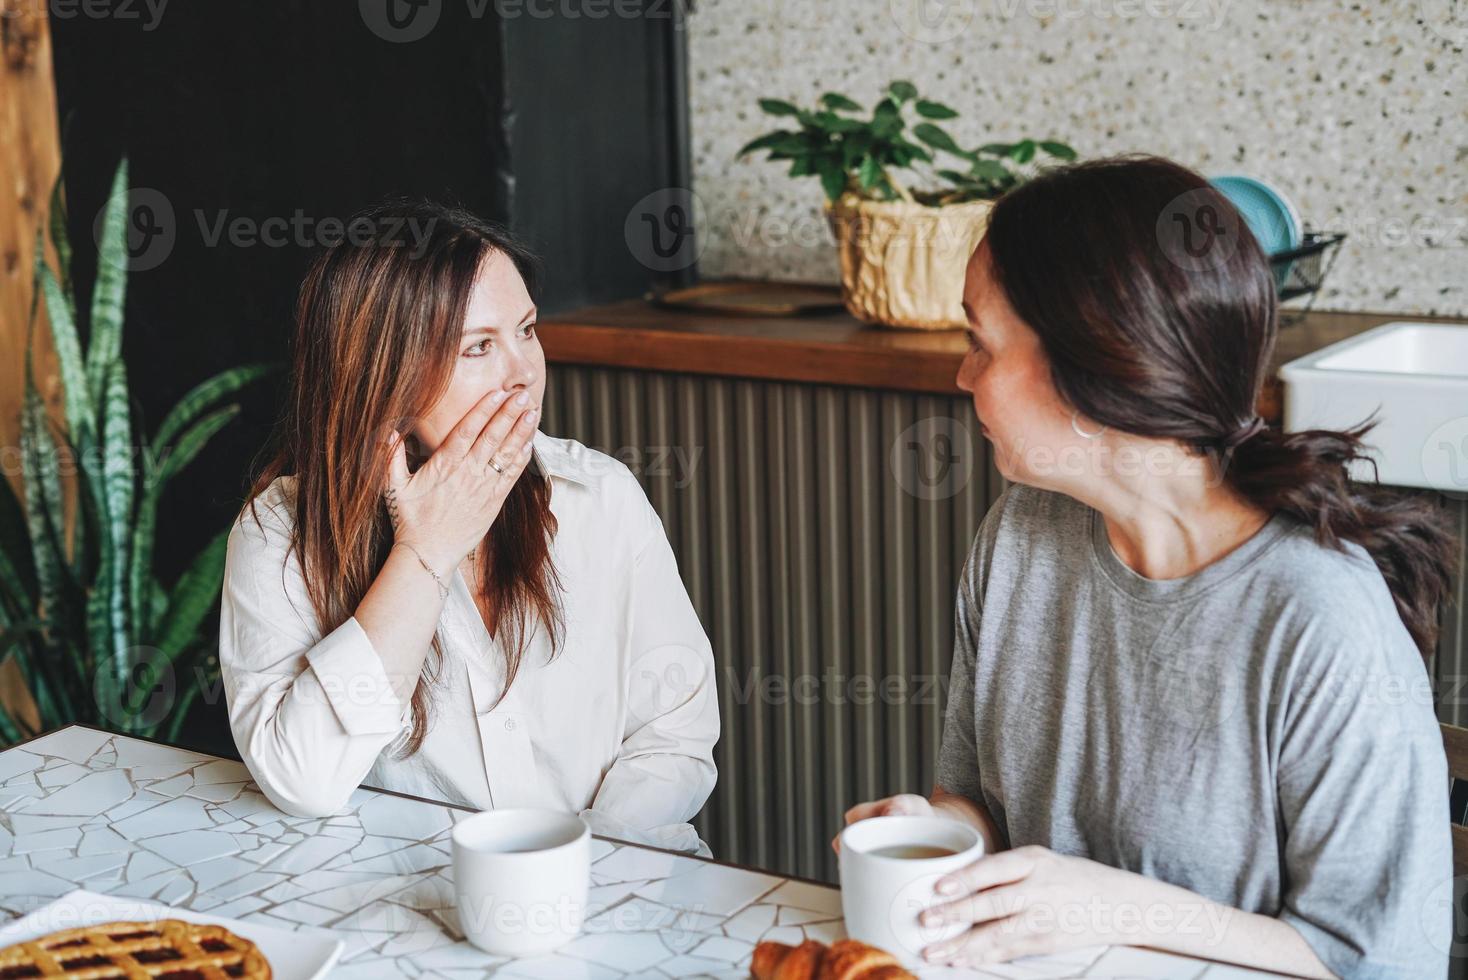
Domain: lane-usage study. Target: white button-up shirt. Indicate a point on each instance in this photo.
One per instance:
(619, 727)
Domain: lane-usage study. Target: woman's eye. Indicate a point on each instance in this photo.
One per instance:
(973, 342)
(476, 350)
(528, 331)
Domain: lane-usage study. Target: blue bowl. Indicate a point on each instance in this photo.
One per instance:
(1269, 215)
(1266, 211)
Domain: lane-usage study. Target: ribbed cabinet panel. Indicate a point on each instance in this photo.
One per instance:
(826, 584)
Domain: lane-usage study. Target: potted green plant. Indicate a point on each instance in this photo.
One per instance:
(905, 223)
(97, 636)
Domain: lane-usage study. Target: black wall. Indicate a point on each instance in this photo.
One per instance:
(286, 114)
(583, 158)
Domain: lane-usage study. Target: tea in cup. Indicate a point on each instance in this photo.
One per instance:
(890, 867)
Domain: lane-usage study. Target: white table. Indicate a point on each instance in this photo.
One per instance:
(124, 816)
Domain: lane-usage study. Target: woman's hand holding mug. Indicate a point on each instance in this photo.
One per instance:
(901, 805)
(445, 508)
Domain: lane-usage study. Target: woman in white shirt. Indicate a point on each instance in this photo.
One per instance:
(427, 595)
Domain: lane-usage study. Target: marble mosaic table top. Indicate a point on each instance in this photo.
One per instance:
(82, 808)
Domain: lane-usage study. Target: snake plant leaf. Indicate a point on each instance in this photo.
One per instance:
(37, 666)
(108, 675)
(178, 456)
(118, 480)
(193, 597)
(60, 240)
(204, 395)
(180, 712)
(10, 730)
(192, 440)
(157, 607)
(17, 566)
(42, 482)
(72, 617)
(16, 594)
(110, 292)
(77, 404)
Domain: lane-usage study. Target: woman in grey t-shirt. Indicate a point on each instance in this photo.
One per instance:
(1188, 705)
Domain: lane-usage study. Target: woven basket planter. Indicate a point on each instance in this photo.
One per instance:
(902, 265)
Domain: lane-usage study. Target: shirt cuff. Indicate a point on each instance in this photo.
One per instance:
(673, 836)
(355, 682)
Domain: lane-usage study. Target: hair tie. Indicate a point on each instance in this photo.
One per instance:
(1242, 434)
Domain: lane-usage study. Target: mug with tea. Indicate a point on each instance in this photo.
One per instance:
(890, 868)
(521, 878)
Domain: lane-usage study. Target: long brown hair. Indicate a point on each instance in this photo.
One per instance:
(1157, 309)
(378, 326)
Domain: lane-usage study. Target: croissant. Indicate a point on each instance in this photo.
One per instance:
(846, 959)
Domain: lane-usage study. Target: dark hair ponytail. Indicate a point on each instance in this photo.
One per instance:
(1156, 308)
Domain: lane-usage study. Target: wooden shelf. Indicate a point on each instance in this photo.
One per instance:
(835, 349)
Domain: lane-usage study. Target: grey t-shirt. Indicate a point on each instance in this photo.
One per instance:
(1260, 732)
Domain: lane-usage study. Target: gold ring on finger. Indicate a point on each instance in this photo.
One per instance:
(494, 465)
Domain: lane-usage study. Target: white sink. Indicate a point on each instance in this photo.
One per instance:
(1414, 376)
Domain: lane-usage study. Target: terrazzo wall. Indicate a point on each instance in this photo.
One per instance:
(1358, 111)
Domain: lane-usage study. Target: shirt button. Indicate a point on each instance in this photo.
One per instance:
(509, 724)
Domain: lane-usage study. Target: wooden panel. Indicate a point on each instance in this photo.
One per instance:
(29, 157)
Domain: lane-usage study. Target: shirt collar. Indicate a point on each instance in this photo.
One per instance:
(559, 459)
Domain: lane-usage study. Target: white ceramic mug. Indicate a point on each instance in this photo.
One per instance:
(882, 896)
(520, 879)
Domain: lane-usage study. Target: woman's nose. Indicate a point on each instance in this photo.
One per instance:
(521, 374)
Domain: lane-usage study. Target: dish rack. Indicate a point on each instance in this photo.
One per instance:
(1301, 271)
